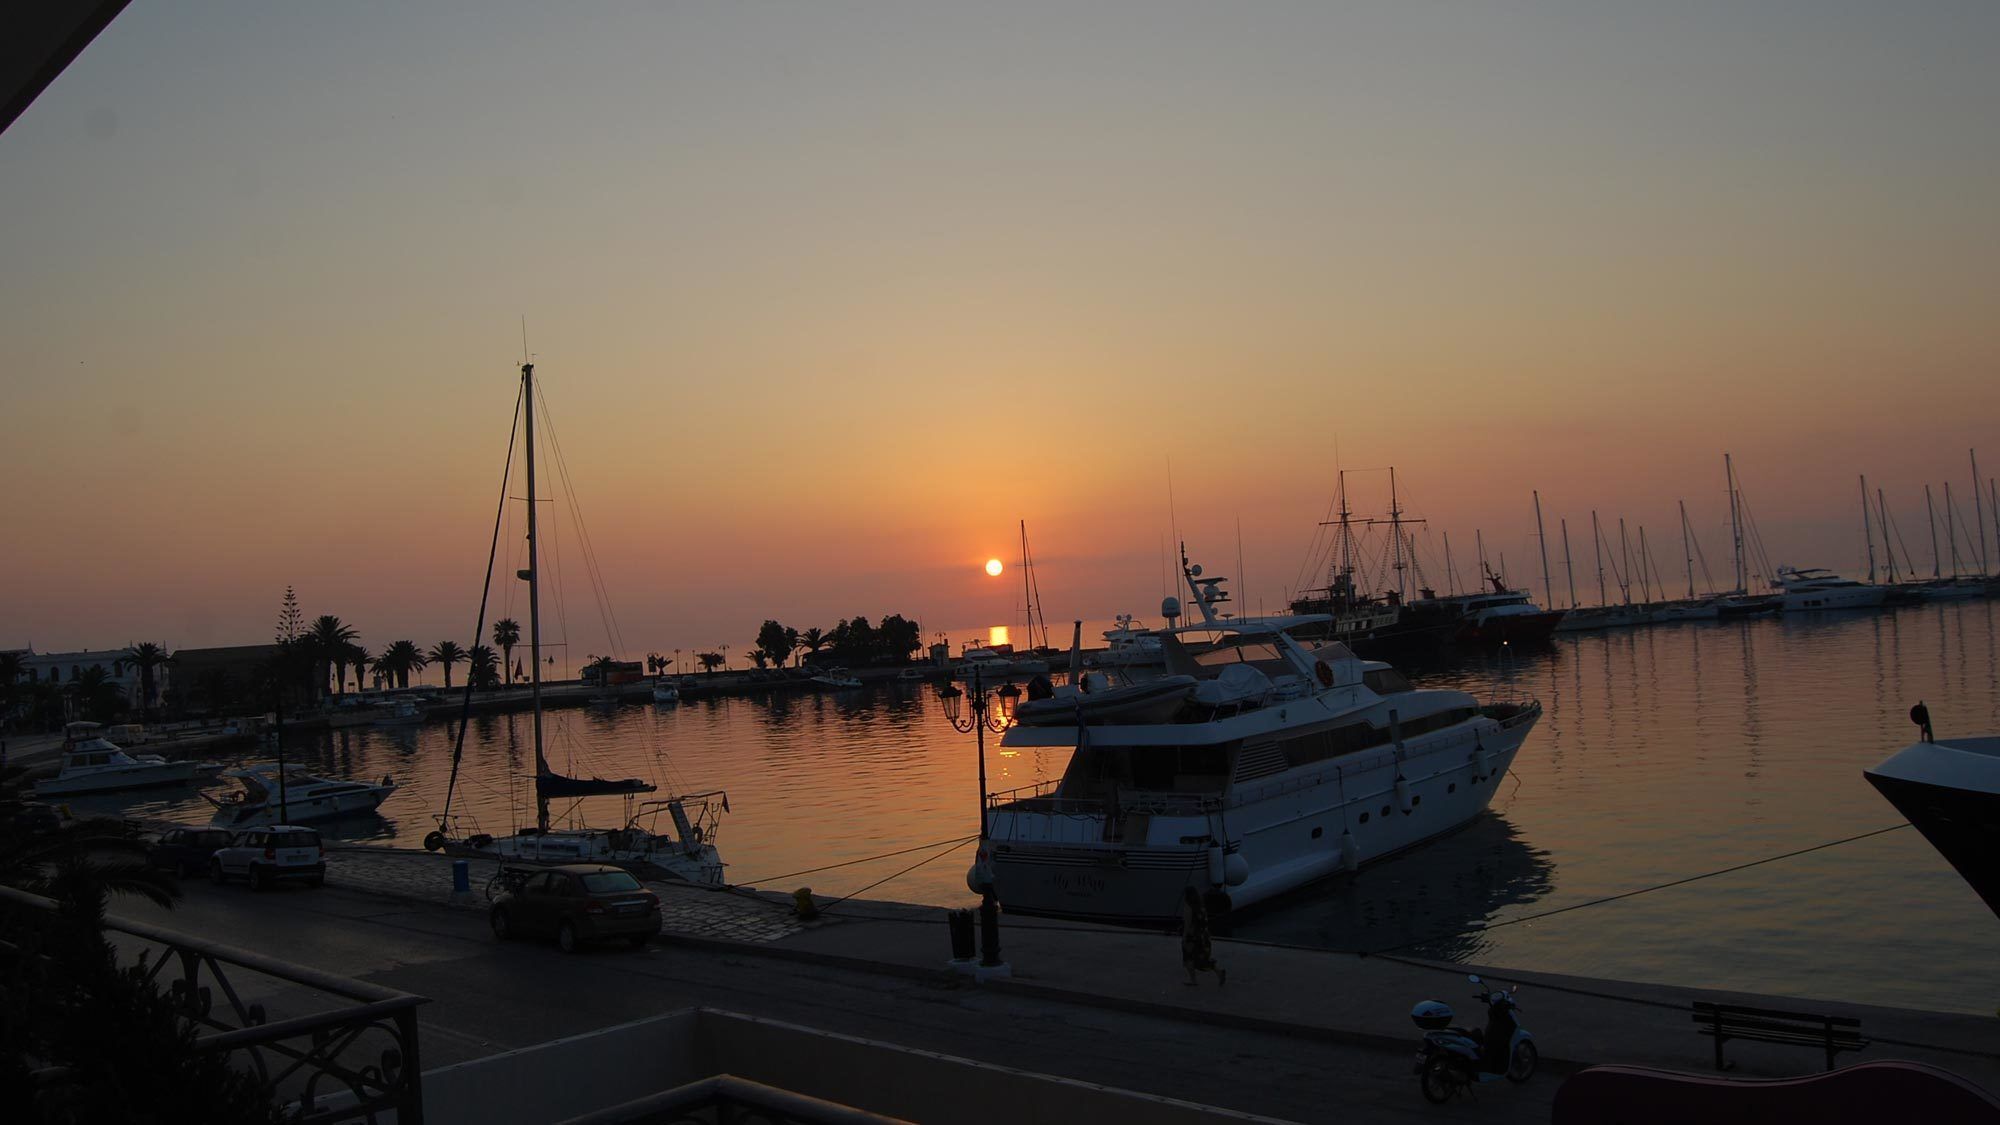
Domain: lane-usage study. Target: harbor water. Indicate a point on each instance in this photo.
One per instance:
(1664, 753)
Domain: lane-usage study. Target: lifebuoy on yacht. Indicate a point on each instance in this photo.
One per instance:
(1324, 672)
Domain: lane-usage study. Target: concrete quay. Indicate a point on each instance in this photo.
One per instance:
(1337, 1001)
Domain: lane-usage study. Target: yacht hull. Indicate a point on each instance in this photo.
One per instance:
(564, 845)
(1281, 833)
(300, 809)
(1838, 597)
(111, 781)
(1951, 792)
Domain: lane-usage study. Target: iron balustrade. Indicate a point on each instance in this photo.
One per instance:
(352, 1061)
(729, 1100)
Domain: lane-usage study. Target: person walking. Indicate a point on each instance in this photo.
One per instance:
(1197, 952)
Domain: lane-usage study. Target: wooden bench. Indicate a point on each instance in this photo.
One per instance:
(1766, 1025)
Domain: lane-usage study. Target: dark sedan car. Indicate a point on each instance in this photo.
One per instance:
(575, 903)
(186, 851)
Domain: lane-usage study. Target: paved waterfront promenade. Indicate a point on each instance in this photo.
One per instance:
(1333, 999)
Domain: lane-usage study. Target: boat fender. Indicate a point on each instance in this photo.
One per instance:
(1482, 762)
(1235, 869)
(1218, 867)
(1323, 672)
(433, 841)
(1350, 852)
(979, 877)
(1403, 793)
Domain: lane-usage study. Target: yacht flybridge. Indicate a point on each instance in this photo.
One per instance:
(1282, 765)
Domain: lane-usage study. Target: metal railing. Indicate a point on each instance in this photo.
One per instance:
(352, 1060)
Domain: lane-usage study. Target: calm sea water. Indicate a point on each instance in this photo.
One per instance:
(1663, 753)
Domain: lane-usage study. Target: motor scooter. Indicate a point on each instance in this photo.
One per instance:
(1455, 1059)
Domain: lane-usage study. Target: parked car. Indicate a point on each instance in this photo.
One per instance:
(29, 818)
(186, 851)
(262, 856)
(574, 904)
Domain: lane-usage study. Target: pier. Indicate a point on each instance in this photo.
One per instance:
(1296, 1035)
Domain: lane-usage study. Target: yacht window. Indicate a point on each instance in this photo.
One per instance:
(1096, 771)
(1333, 743)
(1425, 724)
(1385, 681)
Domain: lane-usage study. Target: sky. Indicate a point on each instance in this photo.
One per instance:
(826, 298)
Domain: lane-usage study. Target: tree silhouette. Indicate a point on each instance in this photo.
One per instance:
(507, 634)
(444, 654)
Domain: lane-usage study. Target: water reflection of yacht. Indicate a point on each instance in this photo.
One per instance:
(1284, 765)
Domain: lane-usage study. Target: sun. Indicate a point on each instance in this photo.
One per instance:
(994, 568)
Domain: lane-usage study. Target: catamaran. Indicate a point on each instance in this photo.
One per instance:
(1282, 764)
(685, 851)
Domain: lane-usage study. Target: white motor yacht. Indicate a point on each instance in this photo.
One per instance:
(94, 764)
(840, 679)
(1950, 790)
(1129, 645)
(687, 853)
(403, 712)
(305, 797)
(1812, 588)
(666, 695)
(1283, 765)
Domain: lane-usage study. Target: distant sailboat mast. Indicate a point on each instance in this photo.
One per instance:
(1687, 549)
(1978, 512)
(1735, 523)
(1867, 532)
(1567, 568)
(1931, 512)
(1597, 546)
(1548, 593)
(1882, 514)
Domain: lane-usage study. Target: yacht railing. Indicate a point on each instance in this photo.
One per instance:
(350, 1053)
(1039, 798)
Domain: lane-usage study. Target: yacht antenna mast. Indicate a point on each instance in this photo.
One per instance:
(533, 575)
(1548, 593)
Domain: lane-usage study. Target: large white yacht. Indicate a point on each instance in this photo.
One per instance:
(305, 796)
(93, 764)
(1283, 766)
(1950, 790)
(1811, 588)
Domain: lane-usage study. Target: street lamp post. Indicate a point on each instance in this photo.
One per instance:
(975, 713)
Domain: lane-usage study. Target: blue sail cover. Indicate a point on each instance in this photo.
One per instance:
(558, 785)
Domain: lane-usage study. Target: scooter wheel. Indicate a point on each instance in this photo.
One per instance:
(1438, 1081)
(1521, 1067)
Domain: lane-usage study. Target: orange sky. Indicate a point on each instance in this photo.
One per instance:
(822, 312)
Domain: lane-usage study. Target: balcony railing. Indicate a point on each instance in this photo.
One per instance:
(348, 1054)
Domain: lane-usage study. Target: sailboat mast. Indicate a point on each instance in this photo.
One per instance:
(1567, 568)
(1735, 522)
(1346, 538)
(1931, 513)
(1597, 547)
(1687, 548)
(1548, 594)
(1950, 530)
(1450, 569)
(534, 577)
(1646, 575)
(1882, 518)
(1027, 591)
(1867, 532)
(1978, 512)
(1396, 532)
(1625, 579)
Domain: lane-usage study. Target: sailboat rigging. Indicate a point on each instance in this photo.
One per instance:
(688, 853)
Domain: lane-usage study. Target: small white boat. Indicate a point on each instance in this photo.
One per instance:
(401, 713)
(93, 764)
(666, 695)
(910, 676)
(686, 852)
(306, 797)
(839, 679)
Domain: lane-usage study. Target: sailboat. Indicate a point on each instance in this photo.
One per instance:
(686, 852)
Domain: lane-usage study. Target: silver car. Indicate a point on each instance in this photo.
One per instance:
(263, 856)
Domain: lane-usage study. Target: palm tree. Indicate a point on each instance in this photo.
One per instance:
(507, 634)
(399, 660)
(709, 661)
(96, 693)
(812, 640)
(359, 658)
(327, 638)
(482, 667)
(145, 656)
(445, 654)
(655, 664)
